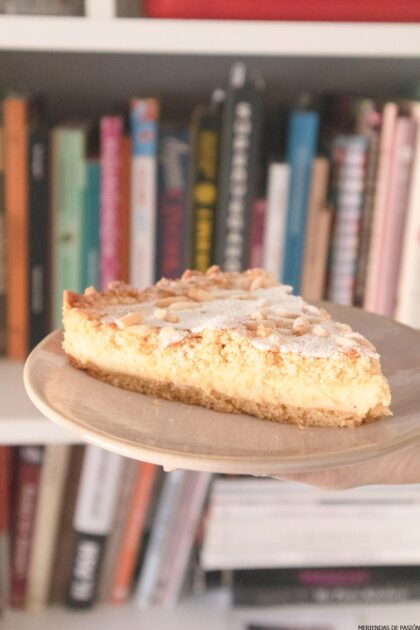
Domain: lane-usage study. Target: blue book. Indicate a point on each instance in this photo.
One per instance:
(90, 227)
(302, 137)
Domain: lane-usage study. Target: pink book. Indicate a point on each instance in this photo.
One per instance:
(257, 233)
(394, 215)
(389, 117)
(111, 130)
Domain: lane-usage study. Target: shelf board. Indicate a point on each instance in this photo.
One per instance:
(20, 421)
(207, 37)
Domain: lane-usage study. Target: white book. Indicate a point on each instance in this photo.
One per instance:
(195, 494)
(47, 518)
(160, 537)
(408, 290)
(100, 9)
(143, 117)
(274, 232)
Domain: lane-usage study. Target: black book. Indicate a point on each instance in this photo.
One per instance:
(347, 585)
(239, 162)
(38, 236)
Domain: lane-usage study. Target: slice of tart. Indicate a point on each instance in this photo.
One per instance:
(234, 342)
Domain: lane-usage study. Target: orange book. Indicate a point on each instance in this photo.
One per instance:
(15, 121)
(124, 246)
(132, 536)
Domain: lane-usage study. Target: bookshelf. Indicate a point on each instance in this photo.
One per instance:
(99, 59)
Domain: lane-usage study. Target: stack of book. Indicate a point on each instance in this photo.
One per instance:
(326, 196)
(80, 525)
(284, 543)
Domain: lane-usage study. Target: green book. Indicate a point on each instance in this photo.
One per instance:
(68, 202)
(90, 227)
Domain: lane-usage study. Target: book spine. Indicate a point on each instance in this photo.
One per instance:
(256, 241)
(190, 517)
(3, 308)
(318, 231)
(66, 536)
(114, 542)
(94, 512)
(111, 128)
(50, 498)
(159, 540)
(124, 212)
(5, 477)
(408, 298)
(395, 213)
(38, 235)
(90, 266)
(274, 235)
(350, 152)
(389, 117)
(301, 146)
(173, 194)
(367, 217)
(144, 115)
(205, 134)
(132, 537)
(15, 118)
(240, 154)
(68, 198)
(27, 485)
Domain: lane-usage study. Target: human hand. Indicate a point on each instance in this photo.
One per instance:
(399, 467)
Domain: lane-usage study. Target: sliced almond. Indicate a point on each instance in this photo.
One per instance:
(257, 283)
(319, 331)
(282, 312)
(200, 295)
(300, 326)
(130, 319)
(183, 306)
(345, 342)
(167, 301)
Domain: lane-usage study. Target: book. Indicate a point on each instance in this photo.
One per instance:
(257, 229)
(368, 125)
(318, 230)
(113, 546)
(92, 522)
(90, 264)
(43, 7)
(290, 10)
(205, 141)
(26, 494)
(64, 550)
(320, 585)
(172, 249)
(5, 475)
(144, 114)
(133, 533)
(191, 509)
(349, 153)
(3, 310)
(111, 129)
(408, 292)
(16, 122)
(394, 217)
(388, 119)
(238, 175)
(68, 183)
(274, 233)
(301, 147)
(124, 212)
(47, 517)
(156, 552)
(38, 236)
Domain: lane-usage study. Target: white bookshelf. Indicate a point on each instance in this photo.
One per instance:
(100, 63)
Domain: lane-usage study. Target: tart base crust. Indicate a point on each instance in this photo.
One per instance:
(219, 402)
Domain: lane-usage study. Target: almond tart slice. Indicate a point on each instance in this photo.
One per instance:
(233, 342)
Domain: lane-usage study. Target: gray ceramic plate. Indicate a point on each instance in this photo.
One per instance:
(176, 435)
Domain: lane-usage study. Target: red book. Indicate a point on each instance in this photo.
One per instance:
(257, 233)
(5, 463)
(27, 484)
(290, 10)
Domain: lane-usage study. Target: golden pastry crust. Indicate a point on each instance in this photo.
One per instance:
(236, 342)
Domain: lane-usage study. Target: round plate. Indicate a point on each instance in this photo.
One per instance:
(175, 435)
